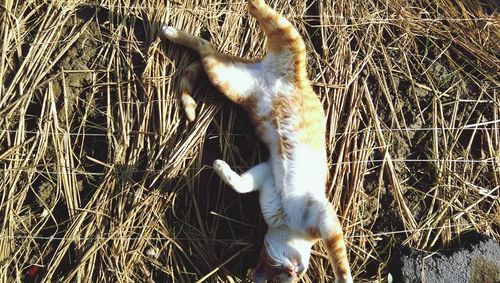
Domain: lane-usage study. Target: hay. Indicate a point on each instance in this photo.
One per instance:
(102, 179)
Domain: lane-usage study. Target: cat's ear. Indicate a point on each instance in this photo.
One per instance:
(259, 274)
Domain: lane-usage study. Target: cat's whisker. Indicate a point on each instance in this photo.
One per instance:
(273, 257)
(270, 254)
(284, 259)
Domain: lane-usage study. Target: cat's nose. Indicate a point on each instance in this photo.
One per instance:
(300, 269)
(294, 271)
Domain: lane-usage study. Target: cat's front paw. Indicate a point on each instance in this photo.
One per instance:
(170, 32)
(220, 166)
(223, 170)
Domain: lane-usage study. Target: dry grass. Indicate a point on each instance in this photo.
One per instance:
(102, 179)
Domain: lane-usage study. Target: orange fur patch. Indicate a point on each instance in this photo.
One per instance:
(305, 111)
(217, 61)
(277, 217)
(313, 232)
(279, 116)
(312, 122)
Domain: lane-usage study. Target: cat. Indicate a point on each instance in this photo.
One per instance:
(290, 120)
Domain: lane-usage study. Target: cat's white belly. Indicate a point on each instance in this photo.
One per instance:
(298, 182)
(303, 171)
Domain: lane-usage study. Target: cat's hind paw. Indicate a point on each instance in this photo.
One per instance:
(170, 32)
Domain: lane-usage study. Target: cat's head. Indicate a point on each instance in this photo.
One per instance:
(284, 256)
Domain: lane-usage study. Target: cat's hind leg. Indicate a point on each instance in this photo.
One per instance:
(200, 45)
(280, 32)
(235, 77)
(283, 40)
(249, 181)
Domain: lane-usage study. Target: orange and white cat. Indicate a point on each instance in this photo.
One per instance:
(289, 118)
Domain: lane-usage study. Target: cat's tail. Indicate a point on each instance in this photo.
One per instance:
(190, 74)
(331, 233)
(188, 80)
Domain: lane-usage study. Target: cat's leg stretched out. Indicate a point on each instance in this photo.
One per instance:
(235, 77)
(249, 181)
(283, 41)
(258, 178)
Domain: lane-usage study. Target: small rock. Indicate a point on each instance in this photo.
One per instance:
(478, 261)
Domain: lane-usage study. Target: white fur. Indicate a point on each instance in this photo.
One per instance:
(242, 77)
(170, 32)
(285, 244)
(249, 181)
